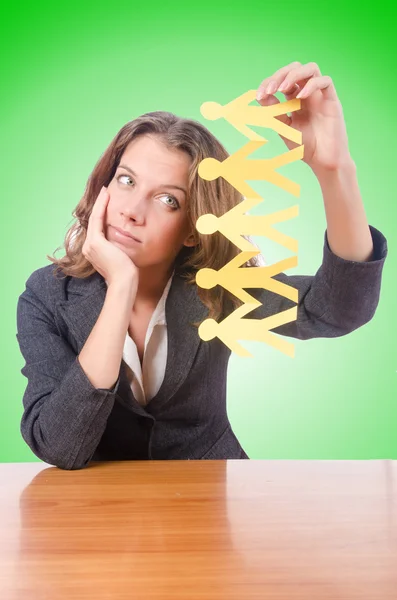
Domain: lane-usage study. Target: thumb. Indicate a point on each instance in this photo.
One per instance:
(269, 100)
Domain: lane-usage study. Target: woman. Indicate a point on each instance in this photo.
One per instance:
(115, 367)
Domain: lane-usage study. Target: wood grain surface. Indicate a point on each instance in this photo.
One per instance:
(191, 529)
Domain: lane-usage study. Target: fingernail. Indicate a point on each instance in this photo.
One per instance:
(272, 86)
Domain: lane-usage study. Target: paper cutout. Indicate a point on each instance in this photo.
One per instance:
(234, 279)
(236, 169)
(234, 328)
(234, 224)
(239, 114)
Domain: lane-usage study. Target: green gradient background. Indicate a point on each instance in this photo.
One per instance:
(73, 75)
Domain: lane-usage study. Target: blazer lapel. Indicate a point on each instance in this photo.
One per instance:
(82, 308)
(183, 306)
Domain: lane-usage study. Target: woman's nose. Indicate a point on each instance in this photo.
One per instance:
(135, 208)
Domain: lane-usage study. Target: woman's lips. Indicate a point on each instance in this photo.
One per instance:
(124, 235)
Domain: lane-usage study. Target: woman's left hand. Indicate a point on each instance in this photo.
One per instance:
(320, 118)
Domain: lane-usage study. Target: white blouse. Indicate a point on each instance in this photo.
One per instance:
(145, 381)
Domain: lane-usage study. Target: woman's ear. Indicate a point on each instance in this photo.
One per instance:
(190, 240)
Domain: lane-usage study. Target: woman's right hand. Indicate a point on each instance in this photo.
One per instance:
(111, 262)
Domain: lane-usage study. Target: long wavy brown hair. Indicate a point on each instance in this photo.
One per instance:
(216, 197)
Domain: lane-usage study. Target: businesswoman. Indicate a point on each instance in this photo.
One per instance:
(115, 367)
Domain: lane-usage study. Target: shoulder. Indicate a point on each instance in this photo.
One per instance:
(46, 284)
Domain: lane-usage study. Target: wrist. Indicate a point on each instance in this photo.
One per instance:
(128, 278)
(124, 286)
(343, 169)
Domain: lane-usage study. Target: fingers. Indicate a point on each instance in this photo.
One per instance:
(103, 202)
(268, 100)
(95, 222)
(270, 84)
(288, 80)
(297, 74)
(323, 83)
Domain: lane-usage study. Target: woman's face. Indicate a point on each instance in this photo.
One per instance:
(148, 200)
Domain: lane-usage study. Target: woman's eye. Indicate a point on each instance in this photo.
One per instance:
(173, 200)
(127, 176)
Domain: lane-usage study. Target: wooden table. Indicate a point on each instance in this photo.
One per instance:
(208, 529)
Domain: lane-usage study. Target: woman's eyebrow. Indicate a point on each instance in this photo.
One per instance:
(176, 187)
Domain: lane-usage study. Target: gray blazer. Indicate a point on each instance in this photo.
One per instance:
(68, 422)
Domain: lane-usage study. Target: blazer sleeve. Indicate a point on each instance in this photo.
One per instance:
(64, 414)
(342, 296)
